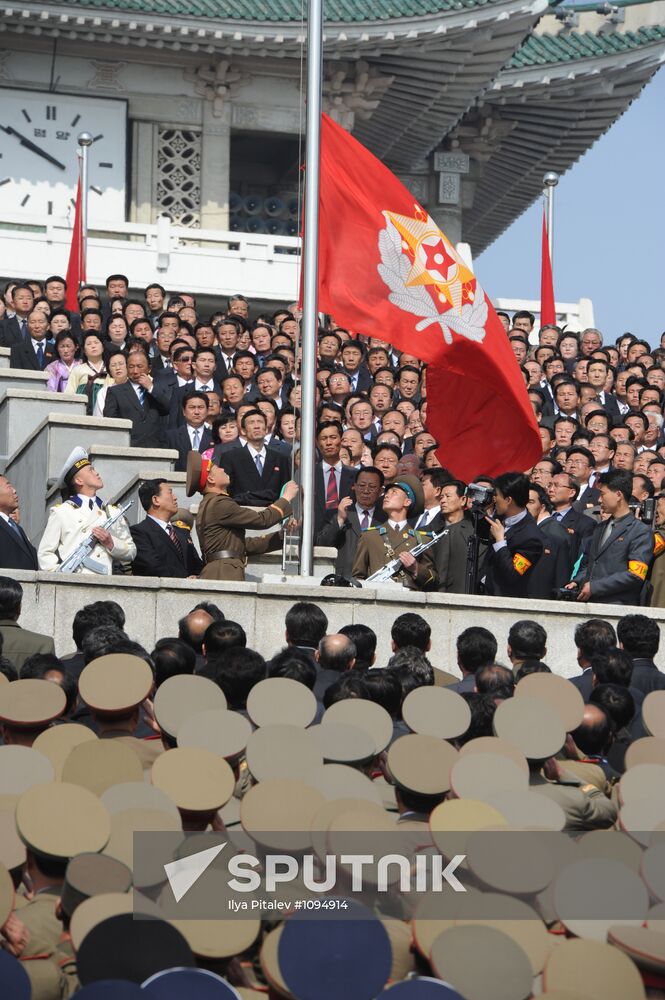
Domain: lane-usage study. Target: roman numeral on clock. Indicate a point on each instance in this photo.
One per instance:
(50, 112)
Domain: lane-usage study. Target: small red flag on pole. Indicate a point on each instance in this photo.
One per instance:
(547, 308)
(76, 275)
(387, 270)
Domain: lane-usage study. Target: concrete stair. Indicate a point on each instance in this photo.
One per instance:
(17, 378)
(23, 410)
(119, 466)
(130, 491)
(4, 357)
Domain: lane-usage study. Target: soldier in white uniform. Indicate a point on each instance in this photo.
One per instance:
(71, 522)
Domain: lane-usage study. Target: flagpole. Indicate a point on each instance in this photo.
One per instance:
(310, 282)
(550, 181)
(84, 140)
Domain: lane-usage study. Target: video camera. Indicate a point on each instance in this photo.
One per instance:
(646, 509)
(478, 495)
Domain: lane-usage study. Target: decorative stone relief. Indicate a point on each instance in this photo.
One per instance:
(4, 71)
(449, 189)
(178, 182)
(216, 82)
(106, 76)
(353, 90)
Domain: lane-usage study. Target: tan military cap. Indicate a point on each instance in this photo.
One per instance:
(31, 703)
(533, 725)
(184, 695)
(482, 961)
(279, 811)
(477, 775)
(57, 743)
(137, 795)
(281, 700)
(642, 781)
(656, 918)
(269, 958)
(130, 821)
(640, 817)
(100, 907)
(282, 752)
(115, 684)
(326, 814)
(62, 820)
(528, 809)
(510, 860)
(452, 822)
(21, 768)
(340, 781)
(219, 730)
(198, 781)
(218, 939)
(648, 750)
(90, 875)
(422, 764)
(493, 745)
(653, 713)
(600, 970)
(653, 867)
(101, 764)
(436, 712)
(343, 744)
(611, 889)
(442, 678)
(517, 919)
(645, 947)
(6, 894)
(365, 715)
(619, 847)
(12, 848)
(4, 680)
(558, 692)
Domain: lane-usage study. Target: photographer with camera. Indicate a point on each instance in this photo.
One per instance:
(517, 543)
(621, 547)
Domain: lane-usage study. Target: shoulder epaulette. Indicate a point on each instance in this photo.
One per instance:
(182, 524)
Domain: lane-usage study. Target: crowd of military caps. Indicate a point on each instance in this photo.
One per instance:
(224, 392)
(550, 789)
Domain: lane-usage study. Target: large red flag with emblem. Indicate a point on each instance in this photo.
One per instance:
(387, 271)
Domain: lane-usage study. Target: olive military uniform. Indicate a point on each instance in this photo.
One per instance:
(221, 524)
(380, 544)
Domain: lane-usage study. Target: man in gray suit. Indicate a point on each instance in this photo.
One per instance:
(354, 515)
(450, 553)
(18, 643)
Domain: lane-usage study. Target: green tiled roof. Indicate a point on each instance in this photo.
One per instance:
(539, 50)
(279, 10)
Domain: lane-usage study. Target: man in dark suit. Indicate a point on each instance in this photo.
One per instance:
(516, 544)
(621, 548)
(354, 515)
(639, 636)
(581, 464)
(557, 554)
(562, 492)
(203, 371)
(33, 352)
(163, 547)
(332, 480)
(450, 553)
(433, 481)
(134, 400)
(14, 329)
(193, 435)
(16, 551)
(352, 363)
(596, 374)
(257, 472)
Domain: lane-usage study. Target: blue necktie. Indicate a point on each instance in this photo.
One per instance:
(141, 394)
(40, 356)
(259, 465)
(197, 439)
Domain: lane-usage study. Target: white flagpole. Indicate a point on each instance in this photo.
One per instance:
(84, 140)
(550, 181)
(310, 282)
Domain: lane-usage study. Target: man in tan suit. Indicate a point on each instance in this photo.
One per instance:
(221, 522)
(18, 643)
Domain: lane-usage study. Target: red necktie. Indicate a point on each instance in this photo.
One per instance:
(174, 538)
(332, 494)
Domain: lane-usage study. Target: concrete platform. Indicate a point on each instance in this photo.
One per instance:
(153, 607)
(4, 357)
(17, 378)
(119, 465)
(23, 410)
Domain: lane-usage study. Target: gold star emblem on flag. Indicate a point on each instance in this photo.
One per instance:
(435, 260)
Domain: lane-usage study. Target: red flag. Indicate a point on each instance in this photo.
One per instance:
(387, 270)
(547, 309)
(76, 267)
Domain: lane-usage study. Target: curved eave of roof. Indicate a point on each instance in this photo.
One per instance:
(180, 27)
(555, 119)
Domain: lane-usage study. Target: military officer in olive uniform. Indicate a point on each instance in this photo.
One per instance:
(221, 522)
(384, 542)
(71, 523)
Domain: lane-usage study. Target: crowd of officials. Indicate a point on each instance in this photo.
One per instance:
(225, 389)
(205, 734)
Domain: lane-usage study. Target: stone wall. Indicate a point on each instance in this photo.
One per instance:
(153, 607)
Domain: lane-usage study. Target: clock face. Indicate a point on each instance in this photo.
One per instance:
(38, 155)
